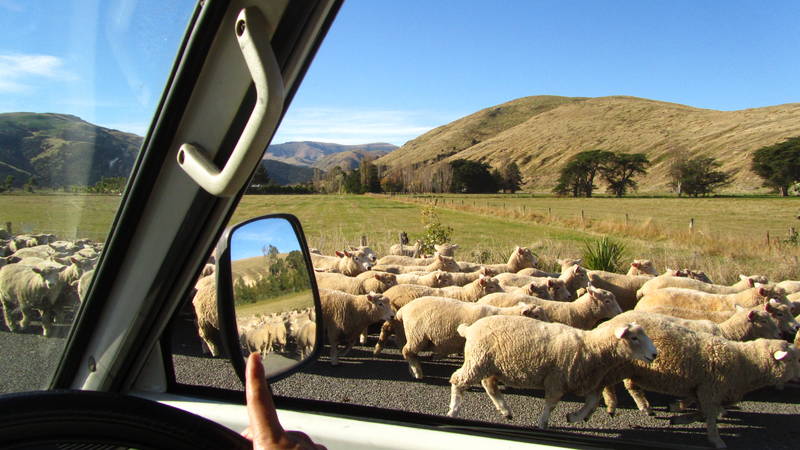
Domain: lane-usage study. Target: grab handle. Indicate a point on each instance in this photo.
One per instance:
(251, 32)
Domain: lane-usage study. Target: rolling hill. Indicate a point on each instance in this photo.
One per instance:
(541, 133)
(309, 153)
(284, 174)
(62, 150)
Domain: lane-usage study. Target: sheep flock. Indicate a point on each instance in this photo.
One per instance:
(578, 331)
(43, 279)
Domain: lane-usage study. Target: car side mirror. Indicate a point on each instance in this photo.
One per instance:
(267, 296)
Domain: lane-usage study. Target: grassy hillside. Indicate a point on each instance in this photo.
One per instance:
(541, 133)
(285, 174)
(62, 150)
(307, 153)
(347, 160)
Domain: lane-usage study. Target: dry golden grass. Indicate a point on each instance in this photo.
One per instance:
(558, 127)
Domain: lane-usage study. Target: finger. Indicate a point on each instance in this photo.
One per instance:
(303, 440)
(264, 424)
(247, 434)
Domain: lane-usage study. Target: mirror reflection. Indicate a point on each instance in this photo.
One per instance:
(272, 293)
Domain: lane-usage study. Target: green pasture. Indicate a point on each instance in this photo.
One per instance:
(288, 302)
(732, 229)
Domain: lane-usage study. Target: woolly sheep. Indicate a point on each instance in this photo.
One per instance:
(781, 314)
(623, 287)
(83, 284)
(29, 288)
(790, 286)
(440, 262)
(205, 309)
(378, 282)
(406, 250)
(524, 353)
(708, 369)
(642, 267)
(521, 258)
(565, 264)
(584, 313)
(437, 278)
(347, 263)
(446, 249)
(345, 316)
(573, 277)
(306, 338)
(431, 323)
(464, 278)
(745, 282)
(692, 299)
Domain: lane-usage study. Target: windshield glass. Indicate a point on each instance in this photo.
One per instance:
(562, 156)
(79, 82)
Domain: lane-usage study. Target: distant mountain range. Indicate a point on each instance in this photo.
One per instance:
(322, 155)
(62, 150)
(541, 133)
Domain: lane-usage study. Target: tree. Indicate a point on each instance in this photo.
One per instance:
(471, 177)
(700, 176)
(577, 176)
(620, 168)
(9, 183)
(778, 165)
(509, 178)
(370, 180)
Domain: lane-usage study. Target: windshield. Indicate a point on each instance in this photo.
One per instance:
(458, 160)
(79, 82)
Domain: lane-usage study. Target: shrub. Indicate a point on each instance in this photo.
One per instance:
(605, 254)
(435, 232)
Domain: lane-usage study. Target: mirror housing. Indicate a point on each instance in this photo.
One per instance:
(251, 256)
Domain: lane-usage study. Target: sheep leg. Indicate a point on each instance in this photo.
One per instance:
(551, 399)
(638, 396)
(589, 405)
(9, 319)
(386, 331)
(679, 405)
(362, 338)
(490, 385)
(610, 398)
(207, 334)
(26, 316)
(413, 362)
(349, 347)
(47, 321)
(333, 343)
(456, 398)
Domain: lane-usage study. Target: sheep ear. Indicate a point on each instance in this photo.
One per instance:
(635, 264)
(751, 316)
(340, 254)
(550, 283)
(482, 281)
(620, 332)
(751, 282)
(780, 355)
(454, 246)
(353, 248)
(37, 270)
(762, 292)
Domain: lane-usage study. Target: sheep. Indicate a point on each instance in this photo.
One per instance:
(31, 288)
(745, 282)
(446, 249)
(83, 283)
(464, 278)
(347, 263)
(366, 251)
(573, 277)
(702, 367)
(402, 294)
(345, 315)
(432, 322)
(406, 250)
(404, 261)
(565, 264)
(642, 267)
(205, 308)
(521, 258)
(437, 278)
(264, 337)
(790, 286)
(378, 282)
(584, 313)
(544, 288)
(306, 338)
(623, 287)
(692, 299)
(440, 262)
(525, 353)
(208, 269)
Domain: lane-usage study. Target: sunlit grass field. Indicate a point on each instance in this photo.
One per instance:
(729, 235)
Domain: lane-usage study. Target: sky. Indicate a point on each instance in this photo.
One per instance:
(389, 71)
(248, 240)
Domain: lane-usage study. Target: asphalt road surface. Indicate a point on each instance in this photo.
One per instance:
(768, 418)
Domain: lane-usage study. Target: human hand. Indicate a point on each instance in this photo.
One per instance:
(265, 431)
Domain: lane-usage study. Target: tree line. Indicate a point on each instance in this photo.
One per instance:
(778, 165)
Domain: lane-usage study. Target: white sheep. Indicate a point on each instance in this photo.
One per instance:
(642, 267)
(345, 316)
(584, 313)
(524, 353)
(437, 278)
(347, 263)
(745, 282)
(432, 322)
(565, 264)
(205, 309)
(29, 288)
(446, 249)
(781, 314)
(790, 286)
(573, 277)
(378, 282)
(445, 263)
(705, 368)
(623, 287)
(692, 299)
(406, 250)
(464, 278)
(521, 258)
(306, 338)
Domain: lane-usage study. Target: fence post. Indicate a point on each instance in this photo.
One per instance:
(8, 228)
(691, 224)
(363, 240)
(626, 219)
(768, 243)
(549, 212)
(582, 217)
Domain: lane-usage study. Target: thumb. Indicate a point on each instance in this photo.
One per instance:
(264, 424)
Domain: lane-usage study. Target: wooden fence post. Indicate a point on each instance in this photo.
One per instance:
(768, 243)
(691, 224)
(363, 240)
(8, 228)
(626, 219)
(582, 217)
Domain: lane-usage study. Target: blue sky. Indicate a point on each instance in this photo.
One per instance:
(389, 71)
(249, 240)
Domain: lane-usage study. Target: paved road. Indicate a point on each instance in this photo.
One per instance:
(767, 419)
